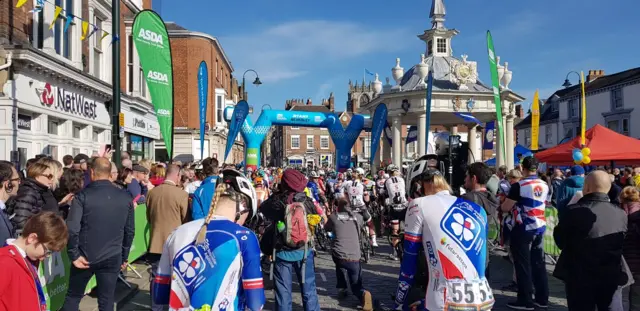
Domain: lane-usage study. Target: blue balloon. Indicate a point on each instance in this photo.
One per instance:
(577, 156)
(576, 150)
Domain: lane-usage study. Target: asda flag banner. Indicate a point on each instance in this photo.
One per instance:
(240, 112)
(493, 66)
(378, 125)
(152, 43)
(203, 82)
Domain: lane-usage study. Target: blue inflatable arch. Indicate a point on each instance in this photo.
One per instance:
(342, 138)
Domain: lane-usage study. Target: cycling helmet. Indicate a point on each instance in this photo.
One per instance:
(392, 168)
(416, 171)
(240, 184)
(313, 174)
(360, 170)
(386, 176)
(321, 172)
(341, 176)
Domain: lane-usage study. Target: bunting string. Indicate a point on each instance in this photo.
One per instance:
(69, 18)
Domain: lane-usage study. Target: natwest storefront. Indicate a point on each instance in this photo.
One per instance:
(47, 113)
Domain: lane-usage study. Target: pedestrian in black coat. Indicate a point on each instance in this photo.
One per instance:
(34, 196)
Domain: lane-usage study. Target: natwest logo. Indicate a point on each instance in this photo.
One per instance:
(158, 77)
(148, 35)
(69, 102)
(47, 95)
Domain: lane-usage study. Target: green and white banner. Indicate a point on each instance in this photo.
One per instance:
(152, 43)
(493, 66)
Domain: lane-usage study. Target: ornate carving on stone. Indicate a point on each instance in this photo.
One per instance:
(463, 72)
(471, 103)
(457, 103)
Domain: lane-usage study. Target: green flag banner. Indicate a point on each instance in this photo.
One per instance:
(152, 43)
(493, 66)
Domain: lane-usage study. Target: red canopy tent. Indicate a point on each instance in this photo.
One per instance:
(605, 144)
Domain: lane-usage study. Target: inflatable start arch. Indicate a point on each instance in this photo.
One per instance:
(342, 138)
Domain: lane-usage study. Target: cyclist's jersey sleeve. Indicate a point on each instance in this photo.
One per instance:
(453, 233)
(222, 273)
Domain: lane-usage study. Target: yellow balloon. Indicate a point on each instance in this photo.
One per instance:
(586, 151)
(586, 160)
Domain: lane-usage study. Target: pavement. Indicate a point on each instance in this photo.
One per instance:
(380, 276)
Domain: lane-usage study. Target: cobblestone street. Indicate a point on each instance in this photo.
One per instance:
(380, 277)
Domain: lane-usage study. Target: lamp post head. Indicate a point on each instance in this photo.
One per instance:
(257, 81)
(566, 83)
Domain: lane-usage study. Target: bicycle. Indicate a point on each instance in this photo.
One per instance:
(321, 237)
(365, 244)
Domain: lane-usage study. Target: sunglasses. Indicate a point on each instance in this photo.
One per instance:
(50, 176)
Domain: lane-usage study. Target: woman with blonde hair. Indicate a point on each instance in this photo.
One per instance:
(34, 195)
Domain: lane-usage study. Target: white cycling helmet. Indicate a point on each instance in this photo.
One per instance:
(392, 168)
(419, 166)
(360, 170)
(313, 174)
(321, 172)
(241, 184)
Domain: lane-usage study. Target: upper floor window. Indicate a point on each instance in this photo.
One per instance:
(548, 135)
(324, 142)
(130, 70)
(430, 48)
(295, 141)
(63, 39)
(98, 62)
(310, 142)
(554, 107)
(219, 109)
(616, 99)
(625, 127)
(573, 108)
(527, 137)
(442, 45)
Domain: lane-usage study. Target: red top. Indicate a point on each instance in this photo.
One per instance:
(156, 181)
(17, 286)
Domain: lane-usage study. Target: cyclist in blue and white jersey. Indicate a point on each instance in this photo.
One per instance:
(214, 263)
(453, 234)
(204, 194)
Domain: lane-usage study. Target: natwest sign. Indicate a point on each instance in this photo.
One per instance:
(68, 102)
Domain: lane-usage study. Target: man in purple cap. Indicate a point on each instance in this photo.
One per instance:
(288, 259)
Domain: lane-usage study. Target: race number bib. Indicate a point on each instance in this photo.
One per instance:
(468, 295)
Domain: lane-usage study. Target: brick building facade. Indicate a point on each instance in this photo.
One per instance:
(50, 68)
(303, 146)
(189, 48)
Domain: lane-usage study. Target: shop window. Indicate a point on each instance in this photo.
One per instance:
(98, 63)
(62, 39)
(75, 151)
(52, 151)
(130, 71)
(411, 148)
(53, 127)
(95, 136)
(76, 131)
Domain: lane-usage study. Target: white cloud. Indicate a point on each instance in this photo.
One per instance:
(293, 49)
(323, 92)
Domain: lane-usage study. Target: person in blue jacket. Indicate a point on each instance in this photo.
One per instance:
(204, 194)
(313, 185)
(568, 188)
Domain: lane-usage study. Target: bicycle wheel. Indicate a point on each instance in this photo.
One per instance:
(321, 238)
(365, 246)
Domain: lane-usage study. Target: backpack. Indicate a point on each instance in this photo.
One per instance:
(296, 233)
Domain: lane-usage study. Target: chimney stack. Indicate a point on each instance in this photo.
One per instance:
(594, 74)
(309, 102)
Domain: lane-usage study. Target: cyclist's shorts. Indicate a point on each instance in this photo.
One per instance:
(397, 215)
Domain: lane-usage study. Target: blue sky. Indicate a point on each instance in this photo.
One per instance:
(307, 49)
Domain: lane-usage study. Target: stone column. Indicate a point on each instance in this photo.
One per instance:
(422, 134)
(473, 145)
(386, 150)
(396, 128)
(500, 159)
(509, 141)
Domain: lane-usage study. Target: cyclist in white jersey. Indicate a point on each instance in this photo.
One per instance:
(214, 263)
(397, 204)
(354, 191)
(452, 232)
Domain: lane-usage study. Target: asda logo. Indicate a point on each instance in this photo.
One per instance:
(148, 35)
(164, 112)
(158, 76)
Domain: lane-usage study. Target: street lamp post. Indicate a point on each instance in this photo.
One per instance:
(115, 100)
(568, 84)
(256, 82)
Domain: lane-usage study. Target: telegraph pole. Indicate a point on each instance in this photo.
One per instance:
(117, 119)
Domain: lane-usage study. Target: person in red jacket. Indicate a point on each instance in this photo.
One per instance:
(20, 287)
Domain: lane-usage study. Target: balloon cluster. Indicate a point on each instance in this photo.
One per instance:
(581, 156)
